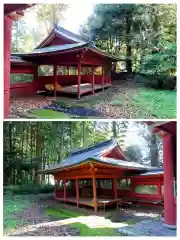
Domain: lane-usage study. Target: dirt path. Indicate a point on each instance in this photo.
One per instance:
(34, 215)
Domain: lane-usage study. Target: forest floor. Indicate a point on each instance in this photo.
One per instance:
(123, 100)
(40, 215)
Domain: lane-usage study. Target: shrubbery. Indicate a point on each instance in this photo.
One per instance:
(28, 189)
(156, 81)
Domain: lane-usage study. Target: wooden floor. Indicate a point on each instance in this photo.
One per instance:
(89, 201)
(84, 88)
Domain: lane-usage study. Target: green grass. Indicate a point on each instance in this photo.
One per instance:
(13, 204)
(62, 213)
(156, 103)
(48, 113)
(85, 231)
(73, 103)
(116, 102)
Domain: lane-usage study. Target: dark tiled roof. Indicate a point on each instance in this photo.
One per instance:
(106, 144)
(18, 60)
(56, 48)
(153, 172)
(70, 35)
(94, 154)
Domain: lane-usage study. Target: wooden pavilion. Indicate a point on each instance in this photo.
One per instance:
(63, 51)
(92, 177)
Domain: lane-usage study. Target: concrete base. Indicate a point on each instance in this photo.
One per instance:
(168, 225)
(147, 228)
(173, 227)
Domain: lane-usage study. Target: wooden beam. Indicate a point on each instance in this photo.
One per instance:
(94, 194)
(79, 80)
(77, 191)
(87, 173)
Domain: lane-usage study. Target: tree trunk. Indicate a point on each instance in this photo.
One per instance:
(154, 151)
(128, 42)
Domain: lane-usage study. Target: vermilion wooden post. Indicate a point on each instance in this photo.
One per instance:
(67, 69)
(77, 191)
(65, 181)
(93, 79)
(54, 188)
(110, 80)
(103, 78)
(115, 187)
(94, 194)
(169, 206)
(35, 80)
(7, 63)
(159, 189)
(79, 80)
(55, 79)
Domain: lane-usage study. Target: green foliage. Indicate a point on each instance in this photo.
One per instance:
(145, 34)
(156, 103)
(28, 189)
(162, 62)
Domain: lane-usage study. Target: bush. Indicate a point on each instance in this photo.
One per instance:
(28, 189)
(156, 81)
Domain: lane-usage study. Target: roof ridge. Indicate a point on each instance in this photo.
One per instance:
(58, 27)
(101, 144)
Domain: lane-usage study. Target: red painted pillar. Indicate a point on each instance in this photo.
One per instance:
(55, 79)
(95, 194)
(54, 188)
(77, 191)
(79, 80)
(169, 206)
(159, 189)
(103, 77)
(110, 80)
(67, 69)
(93, 79)
(65, 181)
(115, 188)
(7, 63)
(35, 80)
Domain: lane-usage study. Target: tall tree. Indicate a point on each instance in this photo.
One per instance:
(50, 14)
